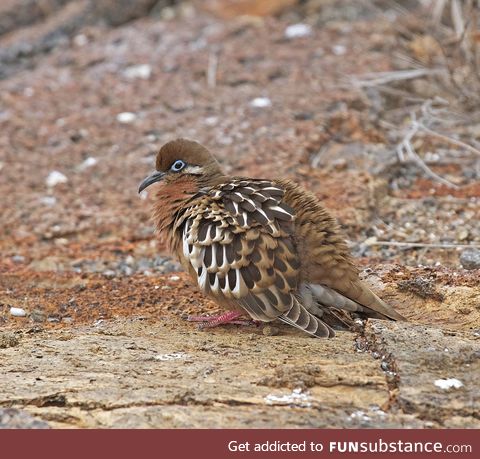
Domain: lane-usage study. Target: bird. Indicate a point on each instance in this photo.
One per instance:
(264, 248)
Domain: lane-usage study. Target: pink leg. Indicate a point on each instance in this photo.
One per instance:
(229, 317)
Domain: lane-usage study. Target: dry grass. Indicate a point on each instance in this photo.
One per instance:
(435, 93)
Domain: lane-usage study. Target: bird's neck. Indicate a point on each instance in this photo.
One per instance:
(170, 202)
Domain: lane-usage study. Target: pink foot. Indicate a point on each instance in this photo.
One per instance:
(214, 321)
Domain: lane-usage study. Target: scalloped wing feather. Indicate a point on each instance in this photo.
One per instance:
(238, 240)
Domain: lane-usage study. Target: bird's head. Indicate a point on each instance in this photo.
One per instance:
(183, 159)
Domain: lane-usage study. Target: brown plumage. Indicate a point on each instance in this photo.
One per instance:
(262, 247)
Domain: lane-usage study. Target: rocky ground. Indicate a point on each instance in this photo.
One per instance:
(92, 329)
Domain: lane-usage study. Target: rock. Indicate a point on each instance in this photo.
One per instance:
(45, 264)
(17, 312)
(339, 50)
(89, 162)
(109, 273)
(270, 330)
(297, 31)
(8, 340)
(80, 40)
(55, 178)
(18, 259)
(126, 117)
(38, 316)
(449, 383)
(462, 234)
(48, 200)
(261, 102)
(425, 364)
(142, 71)
(211, 120)
(11, 418)
(470, 259)
(163, 372)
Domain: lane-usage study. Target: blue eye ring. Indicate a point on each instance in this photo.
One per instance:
(177, 166)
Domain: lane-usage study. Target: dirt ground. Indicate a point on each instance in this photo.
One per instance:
(86, 99)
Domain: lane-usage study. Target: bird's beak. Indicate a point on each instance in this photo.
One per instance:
(153, 178)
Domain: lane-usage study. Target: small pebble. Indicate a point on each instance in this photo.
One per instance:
(174, 278)
(80, 40)
(55, 178)
(470, 259)
(172, 356)
(126, 117)
(48, 200)
(270, 330)
(211, 121)
(17, 312)
(130, 260)
(38, 316)
(339, 50)
(89, 162)
(449, 383)
(261, 102)
(110, 274)
(142, 71)
(462, 234)
(8, 340)
(297, 31)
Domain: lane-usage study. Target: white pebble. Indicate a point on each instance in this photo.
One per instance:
(80, 40)
(89, 162)
(261, 102)
(174, 278)
(172, 356)
(449, 383)
(55, 178)
(126, 117)
(339, 50)
(224, 140)
(298, 30)
(297, 397)
(17, 312)
(362, 416)
(211, 120)
(142, 71)
(48, 200)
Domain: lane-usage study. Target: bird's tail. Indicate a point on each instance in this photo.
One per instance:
(358, 298)
(300, 318)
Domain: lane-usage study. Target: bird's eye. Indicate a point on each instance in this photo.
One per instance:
(177, 166)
